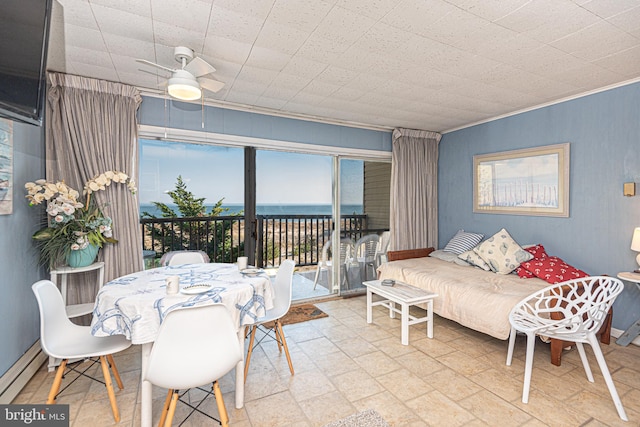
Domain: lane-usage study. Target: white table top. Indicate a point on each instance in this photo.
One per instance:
(630, 276)
(401, 291)
(134, 305)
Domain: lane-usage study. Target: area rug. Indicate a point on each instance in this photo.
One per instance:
(300, 313)
(368, 418)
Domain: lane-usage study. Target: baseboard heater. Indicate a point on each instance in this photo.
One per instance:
(14, 380)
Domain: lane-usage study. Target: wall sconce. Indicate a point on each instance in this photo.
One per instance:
(629, 189)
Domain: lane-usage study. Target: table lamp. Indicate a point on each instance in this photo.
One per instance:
(635, 246)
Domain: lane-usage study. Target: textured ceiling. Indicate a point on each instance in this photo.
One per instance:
(421, 64)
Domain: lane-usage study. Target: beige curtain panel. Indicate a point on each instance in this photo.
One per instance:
(91, 128)
(414, 189)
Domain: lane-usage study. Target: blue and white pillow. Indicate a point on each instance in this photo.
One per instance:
(502, 253)
(463, 241)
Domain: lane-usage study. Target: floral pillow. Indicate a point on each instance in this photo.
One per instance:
(538, 252)
(463, 241)
(474, 259)
(502, 253)
(553, 269)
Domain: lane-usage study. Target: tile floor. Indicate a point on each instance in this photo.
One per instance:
(344, 365)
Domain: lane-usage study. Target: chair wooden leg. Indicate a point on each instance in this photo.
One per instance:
(280, 332)
(278, 340)
(114, 369)
(172, 408)
(607, 377)
(165, 408)
(528, 367)
(55, 387)
(222, 410)
(248, 360)
(112, 395)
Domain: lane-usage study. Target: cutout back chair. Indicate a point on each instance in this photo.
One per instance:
(281, 305)
(60, 338)
(366, 251)
(184, 257)
(194, 346)
(583, 305)
(327, 261)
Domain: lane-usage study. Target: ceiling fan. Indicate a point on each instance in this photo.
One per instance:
(186, 83)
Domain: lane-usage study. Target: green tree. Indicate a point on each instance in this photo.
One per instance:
(194, 234)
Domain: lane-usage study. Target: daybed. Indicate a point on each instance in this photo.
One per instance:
(478, 299)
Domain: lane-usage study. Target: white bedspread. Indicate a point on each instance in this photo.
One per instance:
(475, 298)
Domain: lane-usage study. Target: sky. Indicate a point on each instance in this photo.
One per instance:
(216, 172)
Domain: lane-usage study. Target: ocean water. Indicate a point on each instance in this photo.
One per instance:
(271, 209)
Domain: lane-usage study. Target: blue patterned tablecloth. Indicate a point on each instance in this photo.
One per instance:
(134, 305)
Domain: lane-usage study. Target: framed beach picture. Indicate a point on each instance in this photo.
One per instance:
(6, 166)
(532, 181)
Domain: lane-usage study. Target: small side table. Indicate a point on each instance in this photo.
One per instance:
(634, 330)
(406, 296)
(76, 310)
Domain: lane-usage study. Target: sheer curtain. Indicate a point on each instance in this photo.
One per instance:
(414, 189)
(91, 128)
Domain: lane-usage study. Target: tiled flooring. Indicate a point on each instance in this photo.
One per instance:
(344, 365)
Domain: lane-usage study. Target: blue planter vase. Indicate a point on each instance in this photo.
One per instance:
(83, 257)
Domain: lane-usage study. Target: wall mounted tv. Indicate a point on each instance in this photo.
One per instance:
(24, 36)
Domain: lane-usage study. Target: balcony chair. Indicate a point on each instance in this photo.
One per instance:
(62, 339)
(366, 251)
(326, 262)
(281, 305)
(183, 257)
(383, 246)
(194, 346)
(582, 306)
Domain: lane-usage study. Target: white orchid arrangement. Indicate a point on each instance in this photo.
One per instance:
(71, 224)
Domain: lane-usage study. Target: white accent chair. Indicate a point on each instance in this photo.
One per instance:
(194, 346)
(366, 249)
(581, 305)
(184, 257)
(281, 305)
(327, 261)
(62, 339)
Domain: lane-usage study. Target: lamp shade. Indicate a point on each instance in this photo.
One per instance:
(182, 85)
(635, 241)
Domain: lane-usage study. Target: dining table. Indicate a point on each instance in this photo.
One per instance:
(135, 305)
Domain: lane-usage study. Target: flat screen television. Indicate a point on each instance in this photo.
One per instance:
(24, 37)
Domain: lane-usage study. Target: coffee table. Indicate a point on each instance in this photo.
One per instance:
(405, 295)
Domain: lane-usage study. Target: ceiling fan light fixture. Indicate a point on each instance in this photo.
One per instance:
(182, 85)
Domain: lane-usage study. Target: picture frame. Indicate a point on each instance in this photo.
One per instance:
(531, 181)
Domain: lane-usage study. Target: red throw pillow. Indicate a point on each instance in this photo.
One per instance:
(553, 269)
(538, 252)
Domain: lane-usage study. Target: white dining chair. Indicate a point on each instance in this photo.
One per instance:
(62, 339)
(581, 307)
(281, 305)
(383, 246)
(194, 346)
(184, 257)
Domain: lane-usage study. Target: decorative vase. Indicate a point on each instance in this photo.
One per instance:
(83, 257)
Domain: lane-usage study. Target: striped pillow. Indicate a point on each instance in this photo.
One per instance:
(463, 241)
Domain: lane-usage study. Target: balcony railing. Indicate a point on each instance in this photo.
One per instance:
(278, 237)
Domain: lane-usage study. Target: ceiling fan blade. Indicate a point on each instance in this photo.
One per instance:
(199, 67)
(210, 84)
(153, 64)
